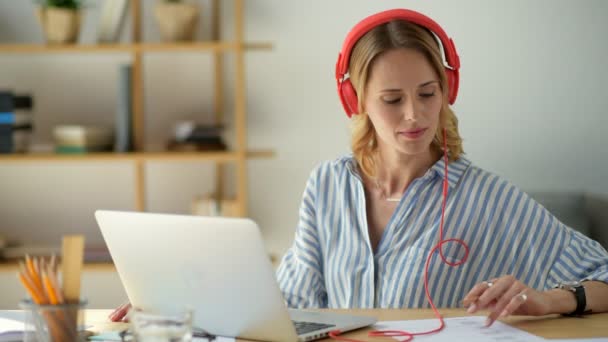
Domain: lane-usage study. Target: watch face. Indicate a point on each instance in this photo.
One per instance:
(571, 284)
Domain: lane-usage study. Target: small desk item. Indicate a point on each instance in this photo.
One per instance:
(71, 266)
(53, 312)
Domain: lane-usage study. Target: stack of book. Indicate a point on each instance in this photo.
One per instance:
(76, 139)
(190, 136)
(15, 122)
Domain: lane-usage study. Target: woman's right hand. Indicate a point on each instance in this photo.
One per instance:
(120, 314)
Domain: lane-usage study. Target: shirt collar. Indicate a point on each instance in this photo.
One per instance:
(455, 169)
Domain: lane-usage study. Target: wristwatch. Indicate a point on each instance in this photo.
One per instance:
(579, 293)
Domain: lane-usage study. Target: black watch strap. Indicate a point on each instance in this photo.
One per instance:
(581, 300)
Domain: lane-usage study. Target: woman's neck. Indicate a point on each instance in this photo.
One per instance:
(395, 171)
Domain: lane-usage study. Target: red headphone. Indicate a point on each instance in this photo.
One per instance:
(346, 91)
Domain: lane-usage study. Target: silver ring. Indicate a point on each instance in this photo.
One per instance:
(524, 297)
(488, 283)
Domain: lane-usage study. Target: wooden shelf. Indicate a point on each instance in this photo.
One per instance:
(134, 47)
(228, 156)
(13, 265)
(10, 266)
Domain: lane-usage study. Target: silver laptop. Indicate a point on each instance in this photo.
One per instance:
(216, 266)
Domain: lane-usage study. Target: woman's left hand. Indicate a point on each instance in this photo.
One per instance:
(506, 296)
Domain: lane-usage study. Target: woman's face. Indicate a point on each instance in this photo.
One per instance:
(403, 99)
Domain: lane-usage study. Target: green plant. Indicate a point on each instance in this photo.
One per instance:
(67, 4)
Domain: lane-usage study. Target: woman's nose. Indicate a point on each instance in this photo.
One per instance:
(410, 110)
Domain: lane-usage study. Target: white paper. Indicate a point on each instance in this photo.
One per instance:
(11, 326)
(470, 329)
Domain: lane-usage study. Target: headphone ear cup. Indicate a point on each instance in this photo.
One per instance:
(452, 79)
(349, 98)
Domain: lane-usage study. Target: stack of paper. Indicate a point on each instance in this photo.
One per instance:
(470, 329)
(12, 326)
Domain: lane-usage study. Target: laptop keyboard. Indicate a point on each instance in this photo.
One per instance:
(306, 327)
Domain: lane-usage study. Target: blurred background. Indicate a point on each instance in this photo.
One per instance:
(532, 108)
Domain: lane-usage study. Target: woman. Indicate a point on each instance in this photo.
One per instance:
(369, 220)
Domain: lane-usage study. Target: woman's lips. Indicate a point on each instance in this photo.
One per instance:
(413, 134)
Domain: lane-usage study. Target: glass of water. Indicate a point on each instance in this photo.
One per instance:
(161, 327)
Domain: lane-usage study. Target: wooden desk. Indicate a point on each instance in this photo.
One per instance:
(548, 326)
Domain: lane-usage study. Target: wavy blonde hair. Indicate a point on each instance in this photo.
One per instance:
(393, 35)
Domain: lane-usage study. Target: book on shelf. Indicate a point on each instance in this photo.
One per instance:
(123, 124)
(15, 122)
(6, 138)
(6, 102)
(9, 102)
(192, 136)
(7, 118)
(198, 146)
(111, 20)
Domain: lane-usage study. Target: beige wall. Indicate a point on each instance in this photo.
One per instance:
(532, 106)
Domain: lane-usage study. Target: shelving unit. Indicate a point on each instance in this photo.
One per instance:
(137, 48)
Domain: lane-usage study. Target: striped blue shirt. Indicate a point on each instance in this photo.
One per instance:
(331, 262)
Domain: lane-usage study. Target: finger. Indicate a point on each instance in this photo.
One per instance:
(117, 316)
(503, 301)
(474, 294)
(495, 292)
(492, 305)
(515, 303)
(116, 311)
(120, 312)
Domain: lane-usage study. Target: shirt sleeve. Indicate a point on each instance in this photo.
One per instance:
(300, 275)
(582, 259)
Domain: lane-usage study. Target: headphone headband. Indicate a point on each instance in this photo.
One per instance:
(367, 24)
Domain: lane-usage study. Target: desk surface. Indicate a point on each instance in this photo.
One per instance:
(548, 326)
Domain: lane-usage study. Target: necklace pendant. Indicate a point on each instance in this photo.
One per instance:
(392, 199)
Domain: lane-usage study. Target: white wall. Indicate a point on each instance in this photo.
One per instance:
(532, 106)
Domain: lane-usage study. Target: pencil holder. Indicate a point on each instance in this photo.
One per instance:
(53, 323)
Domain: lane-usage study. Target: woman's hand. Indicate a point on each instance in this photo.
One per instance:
(506, 296)
(120, 314)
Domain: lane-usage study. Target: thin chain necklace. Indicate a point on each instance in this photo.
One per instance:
(386, 198)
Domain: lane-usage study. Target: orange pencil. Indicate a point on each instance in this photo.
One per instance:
(32, 270)
(52, 274)
(50, 291)
(30, 282)
(29, 289)
(30, 278)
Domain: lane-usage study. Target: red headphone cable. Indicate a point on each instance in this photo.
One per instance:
(398, 333)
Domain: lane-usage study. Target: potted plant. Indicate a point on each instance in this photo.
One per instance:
(176, 19)
(60, 20)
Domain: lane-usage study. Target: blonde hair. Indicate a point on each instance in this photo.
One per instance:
(393, 35)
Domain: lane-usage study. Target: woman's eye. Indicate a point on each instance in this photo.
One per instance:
(392, 100)
(427, 94)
